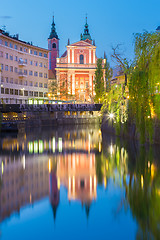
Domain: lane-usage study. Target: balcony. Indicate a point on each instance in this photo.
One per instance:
(21, 63)
(22, 74)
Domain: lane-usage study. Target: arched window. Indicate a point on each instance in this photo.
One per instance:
(81, 59)
(53, 45)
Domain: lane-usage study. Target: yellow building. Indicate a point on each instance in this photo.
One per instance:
(24, 76)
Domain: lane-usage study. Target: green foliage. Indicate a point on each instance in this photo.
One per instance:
(99, 82)
(108, 75)
(144, 102)
(115, 102)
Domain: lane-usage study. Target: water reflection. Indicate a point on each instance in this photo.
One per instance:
(36, 164)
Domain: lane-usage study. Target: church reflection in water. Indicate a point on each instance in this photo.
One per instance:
(35, 167)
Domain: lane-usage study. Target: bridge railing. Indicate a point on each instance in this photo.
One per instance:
(48, 107)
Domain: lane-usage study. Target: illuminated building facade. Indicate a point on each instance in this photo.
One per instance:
(24, 77)
(75, 69)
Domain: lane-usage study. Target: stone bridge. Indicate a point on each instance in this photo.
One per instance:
(20, 108)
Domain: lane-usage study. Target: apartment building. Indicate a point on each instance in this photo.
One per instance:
(24, 71)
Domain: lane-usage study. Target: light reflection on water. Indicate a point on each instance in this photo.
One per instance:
(75, 183)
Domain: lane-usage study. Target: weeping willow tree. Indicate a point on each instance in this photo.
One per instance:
(143, 84)
(115, 106)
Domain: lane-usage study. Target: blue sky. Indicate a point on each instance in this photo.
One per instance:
(110, 22)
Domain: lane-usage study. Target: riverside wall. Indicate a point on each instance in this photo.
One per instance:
(129, 131)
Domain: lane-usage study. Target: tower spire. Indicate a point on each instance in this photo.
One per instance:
(86, 35)
(53, 33)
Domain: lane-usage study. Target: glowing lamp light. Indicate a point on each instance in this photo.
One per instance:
(111, 115)
(49, 166)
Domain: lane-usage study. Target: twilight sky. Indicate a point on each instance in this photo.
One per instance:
(110, 21)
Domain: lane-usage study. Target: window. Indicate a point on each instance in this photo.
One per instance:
(35, 74)
(21, 49)
(36, 94)
(25, 61)
(35, 52)
(11, 45)
(20, 82)
(7, 91)
(40, 64)
(7, 80)
(30, 51)
(45, 55)
(2, 90)
(30, 93)
(11, 57)
(11, 80)
(45, 94)
(31, 62)
(16, 92)
(16, 69)
(45, 85)
(16, 81)
(40, 54)
(16, 58)
(11, 91)
(11, 68)
(45, 75)
(21, 92)
(6, 43)
(2, 80)
(54, 45)
(25, 93)
(15, 46)
(40, 75)
(0, 41)
(30, 73)
(30, 83)
(25, 83)
(40, 84)
(1, 54)
(25, 49)
(40, 94)
(2, 66)
(45, 66)
(25, 72)
(81, 59)
(36, 63)
(6, 67)
(6, 55)
(36, 84)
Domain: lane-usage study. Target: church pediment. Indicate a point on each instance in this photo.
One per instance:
(81, 44)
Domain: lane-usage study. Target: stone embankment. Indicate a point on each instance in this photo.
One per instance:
(16, 116)
(129, 131)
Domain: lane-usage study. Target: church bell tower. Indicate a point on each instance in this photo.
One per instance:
(53, 47)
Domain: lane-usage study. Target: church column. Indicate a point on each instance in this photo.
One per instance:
(68, 53)
(89, 56)
(73, 84)
(94, 56)
(90, 83)
(69, 83)
(72, 55)
(58, 82)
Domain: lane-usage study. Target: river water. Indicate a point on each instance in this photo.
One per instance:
(78, 183)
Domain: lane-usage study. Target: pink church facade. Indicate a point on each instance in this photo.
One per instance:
(75, 69)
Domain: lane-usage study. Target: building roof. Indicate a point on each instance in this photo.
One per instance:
(158, 28)
(16, 38)
(64, 54)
